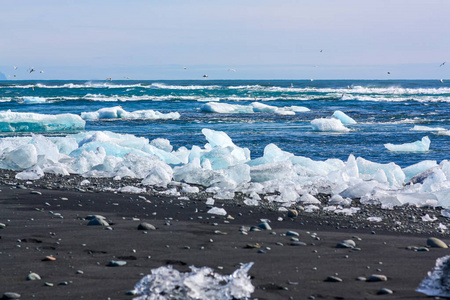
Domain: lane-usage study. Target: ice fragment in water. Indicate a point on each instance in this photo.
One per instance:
(200, 284)
(31, 122)
(418, 146)
(437, 282)
(346, 120)
(118, 112)
(328, 125)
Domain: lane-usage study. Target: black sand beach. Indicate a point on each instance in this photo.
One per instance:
(47, 218)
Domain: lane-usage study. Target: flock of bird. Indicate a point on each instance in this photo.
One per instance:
(31, 70)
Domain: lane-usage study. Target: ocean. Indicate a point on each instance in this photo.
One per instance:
(386, 111)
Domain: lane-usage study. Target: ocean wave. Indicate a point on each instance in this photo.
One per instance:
(183, 87)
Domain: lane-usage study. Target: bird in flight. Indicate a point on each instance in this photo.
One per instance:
(442, 64)
(15, 68)
(205, 75)
(32, 70)
(389, 72)
(233, 70)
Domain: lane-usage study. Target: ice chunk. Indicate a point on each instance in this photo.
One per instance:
(57, 169)
(225, 108)
(30, 174)
(374, 219)
(393, 172)
(418, 168)
(418, 146)
(437, 281)
(261, 107)
(309, 199)
(23, 157)
(217, 211)
(31, 122)
(159, 176)
(163, 144)
(346, 120)
(427, 128)
(199, 284)
(273, 171)
(118, 112)
(328, 125)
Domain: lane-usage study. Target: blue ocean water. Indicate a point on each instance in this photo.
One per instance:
(385, 112)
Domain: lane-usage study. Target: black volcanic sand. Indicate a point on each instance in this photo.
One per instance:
(187, 235)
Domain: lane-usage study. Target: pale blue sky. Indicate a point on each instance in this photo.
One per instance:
(260, 39)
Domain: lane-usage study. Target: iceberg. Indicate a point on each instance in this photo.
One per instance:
(328, 125)
(118, 112)
(254, 107)
(199, 284)
(418, 146)
(31, 122)
(225, 108)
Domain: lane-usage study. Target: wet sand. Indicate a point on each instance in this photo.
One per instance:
(43, 222)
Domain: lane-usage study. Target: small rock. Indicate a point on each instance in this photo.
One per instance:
(117, 263)
(11, 295)
(385, 291)
(49, 258)
(292, 233)
(333, 279)
(265, 226)
(48, 284)
(98, 222)
(292, 213)
(63, 283)
(146, 226)
(298, 243)
(346, 244)
(361, 278)
(35, 193)
(436, 243)
(377, 277)
(33, 276)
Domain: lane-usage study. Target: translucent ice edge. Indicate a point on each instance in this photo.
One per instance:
(224, 168)
(437, 282)
(199, 284)
(31, 122)
(255, 107)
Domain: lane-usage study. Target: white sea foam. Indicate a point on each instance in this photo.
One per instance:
(118, 112)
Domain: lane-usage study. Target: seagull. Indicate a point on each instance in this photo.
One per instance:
(205, 76)
(126, 77)
(442, 80)
(109, 79)
(442, 64)
(233, 70)
(32, 70)
(185, 68)
(41, 71)
(389, 72)
(321, 51)
(15, 68)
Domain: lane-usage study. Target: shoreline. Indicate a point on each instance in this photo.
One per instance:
(42, 220)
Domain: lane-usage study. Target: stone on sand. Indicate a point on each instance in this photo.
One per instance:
(436, 243)
(146, 226)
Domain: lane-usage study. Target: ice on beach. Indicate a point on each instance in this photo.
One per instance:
(328, 125)
(346, 120)
(419, 146)
(199, 284)
(374, 219)
(437, 281)
(118, 112)
(217, 211)
(32, 122)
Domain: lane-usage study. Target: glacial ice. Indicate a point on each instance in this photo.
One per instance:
(254, 107)
(346, 120)
(32, 122)
(199, 284)
(437, 281)
(118, 112)
(328, 125)
(418, 146)
(224, 168)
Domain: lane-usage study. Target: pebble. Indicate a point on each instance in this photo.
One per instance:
(422, 249)
(298, 244)
(436, 243)
(377, 277)
(49, 258)
(35, 193)
(292, 233)
(33, 276)
(117, 263)
(146, 226)
(385, 291)
(346, 244)
(361, 278)
(48, 284)
(333, 279)
(292, 213)
(98, 222)
(265, 226)
(11, 295)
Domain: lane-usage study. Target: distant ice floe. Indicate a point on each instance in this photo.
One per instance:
(118, 112)
(336, 123)
(418, 146)
(224, 169)
(437, 281)
(34, 100)
(32, 122)
(199, 284)
(255, 107)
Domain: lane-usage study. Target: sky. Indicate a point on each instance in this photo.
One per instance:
(252, 39)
